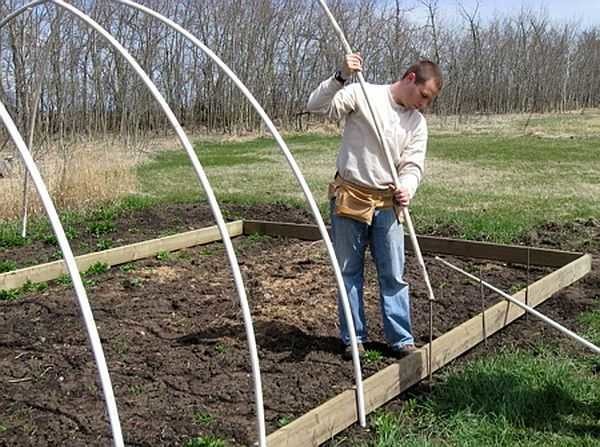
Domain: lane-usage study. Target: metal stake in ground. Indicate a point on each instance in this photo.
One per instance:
(482, 293)
(527, 288)
(525, 307)
(430, 350)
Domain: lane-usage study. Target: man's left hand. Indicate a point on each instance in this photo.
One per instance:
(401, 197)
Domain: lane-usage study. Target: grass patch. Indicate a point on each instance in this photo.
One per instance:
(486, 186)
(203, 418)
(28, 287)
(97, 269)
(99, 222)
(7, 265)
(592, 321)
(506, 400)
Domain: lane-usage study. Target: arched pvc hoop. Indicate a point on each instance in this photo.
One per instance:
(386, 151)
(213, 204)
(82, 299)
(209, 193)
(309, 197)
(20, 11)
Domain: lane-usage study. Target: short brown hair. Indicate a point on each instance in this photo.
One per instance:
(425, 70)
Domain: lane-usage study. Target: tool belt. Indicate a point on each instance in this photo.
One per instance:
(358, 202)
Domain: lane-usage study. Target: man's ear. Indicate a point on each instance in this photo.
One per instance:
(411, 76)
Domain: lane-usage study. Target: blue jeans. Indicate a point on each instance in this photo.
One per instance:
(385, 237)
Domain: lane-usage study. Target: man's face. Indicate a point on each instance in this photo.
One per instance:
(419, 96)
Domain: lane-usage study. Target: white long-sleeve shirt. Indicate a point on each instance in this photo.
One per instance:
(360, 159)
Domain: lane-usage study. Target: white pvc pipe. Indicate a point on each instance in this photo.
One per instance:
(211, 199)
(386, 151)
(206, 185)
(298, 174)
(19, 11)
(525, 307)
(82, 299)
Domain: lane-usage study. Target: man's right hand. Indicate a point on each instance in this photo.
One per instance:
(351, 64)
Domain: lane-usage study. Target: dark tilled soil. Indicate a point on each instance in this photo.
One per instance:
(175, 342)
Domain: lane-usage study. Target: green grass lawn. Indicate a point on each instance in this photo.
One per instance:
(514, 398)
(485, 186)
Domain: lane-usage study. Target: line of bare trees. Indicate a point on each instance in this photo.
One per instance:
(281, 49)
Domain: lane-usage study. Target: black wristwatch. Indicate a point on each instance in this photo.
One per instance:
(338, 77)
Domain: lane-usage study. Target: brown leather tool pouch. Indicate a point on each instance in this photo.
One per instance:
(351, 202)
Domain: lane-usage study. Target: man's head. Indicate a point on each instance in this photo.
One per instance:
(419, 85)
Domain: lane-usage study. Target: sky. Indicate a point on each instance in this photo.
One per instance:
(587, 12)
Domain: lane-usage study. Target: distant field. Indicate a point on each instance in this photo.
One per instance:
(488, 177)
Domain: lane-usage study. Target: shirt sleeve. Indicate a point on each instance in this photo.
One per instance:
(332, 99)
(412, 163)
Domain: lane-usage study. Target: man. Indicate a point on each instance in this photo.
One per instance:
(364, 202)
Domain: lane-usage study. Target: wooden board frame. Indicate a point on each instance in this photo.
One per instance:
(335, 415)
(118, 255)
(440, 245)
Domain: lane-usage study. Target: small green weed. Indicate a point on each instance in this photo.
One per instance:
(9, 295)
(101, 221)
(131, 283)
(203, 418)
(64, 279)
(104, 244)
(40, 286)
(120, 345)
(50, 239)
(28, 287)
(205, 441)
(283, 421)
(372, 356)
(136, 390)
(96, 269)
(100, 228)
(220, 348)
(88, 282)
(7, 266)
(10, 236)
(126, 268)
(163, 256)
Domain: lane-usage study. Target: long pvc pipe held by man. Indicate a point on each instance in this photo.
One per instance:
(305, 188)
(387, 152)
(63, 243)
(525, 307)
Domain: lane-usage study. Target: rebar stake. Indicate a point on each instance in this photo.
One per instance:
(482, 294)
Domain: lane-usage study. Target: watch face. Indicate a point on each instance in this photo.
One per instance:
(338, 77)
